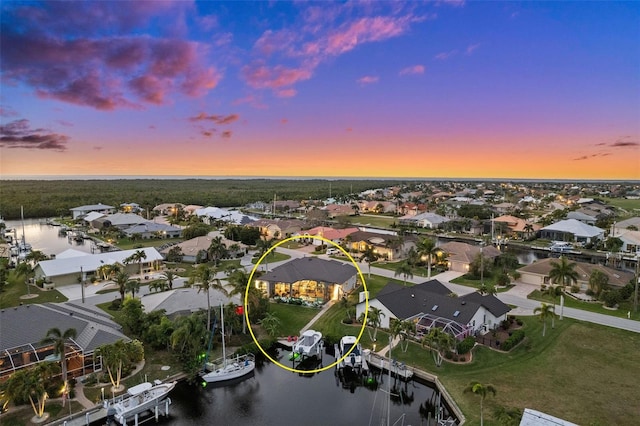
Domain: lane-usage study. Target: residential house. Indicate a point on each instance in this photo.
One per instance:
(118, 220)
(212, 214)
(632, 222)
(79, 266)
(79, 212)
(537, 273)
(277, 228)
(424, 220)
(130, 208)
(335, 210)
(22, 329)
(191, 209)
(148, 230)
(511, 226)
(571, 230)
(630, 240)
(429, 305)
(504, 208)
(411, 209)
(582, 217)
(310, 278)
(167, 209)
(190, 249)
(386, 246)
(377, 206)
(461, 255)
(337, 236)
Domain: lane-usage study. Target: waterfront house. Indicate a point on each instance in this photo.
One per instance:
(148, 230)
(460, 255)
(277, 228)
(211, 215)
(386, 246)
(430, 305)
(80, 211)
(335, 235)
(22, 328)
(537, 273)
(79, 266)
(571, 230)
(427, 220)
(310, 278)
(190, 249)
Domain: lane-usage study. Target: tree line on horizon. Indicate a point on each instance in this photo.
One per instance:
(54, 198)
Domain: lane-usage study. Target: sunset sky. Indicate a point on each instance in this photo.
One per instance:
(338, 89)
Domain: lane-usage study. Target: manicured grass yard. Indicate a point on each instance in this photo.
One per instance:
(371, 220)
(273, 257)
(569, 302)
(292, 317)
(10, 296)
(579, 371)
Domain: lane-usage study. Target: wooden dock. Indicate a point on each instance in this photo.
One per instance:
(397, 369)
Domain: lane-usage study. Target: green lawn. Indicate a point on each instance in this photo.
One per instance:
(10, 295)
(366, 220)
(623, 203)
(475, 283)
(128, 244)
(21, 416)
(273, 257)
(569, 373)
(570, 302)
(292, 317)
(420, 271)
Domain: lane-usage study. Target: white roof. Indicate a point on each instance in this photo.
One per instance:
(90, 207)
(538, 418)
(120, 219)
(93, 216)
(232, 216)
(575, 227)
(91, 262)
(70, 253)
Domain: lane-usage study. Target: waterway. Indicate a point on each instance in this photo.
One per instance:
(45, 237)
(274, 396)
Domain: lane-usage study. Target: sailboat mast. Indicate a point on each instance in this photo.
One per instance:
(224, 349)
(22, 220)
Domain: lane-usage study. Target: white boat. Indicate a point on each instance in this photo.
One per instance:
(354, 360)
(309, 342)
(224, 368)
(139, 399)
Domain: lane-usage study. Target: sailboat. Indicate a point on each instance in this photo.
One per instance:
(224, 368)
(23, 248)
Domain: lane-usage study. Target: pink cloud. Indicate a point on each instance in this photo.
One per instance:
(365, 30)
(446, 55)
(18, 134)
(471, 48)
(278, 78)
(218, 119)
(284, 121)
(251, 99)
(416, 69)
(368, 79)
(75, 63)
(227, 134)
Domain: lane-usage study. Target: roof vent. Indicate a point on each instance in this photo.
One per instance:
(456, 313)
(464, 302)
(413, 295)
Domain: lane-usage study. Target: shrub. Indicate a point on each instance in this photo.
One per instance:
(589, 292)
(519, 322)
(465, 345)
(626, 291)
(611, 298)
(575, 289)
(115, 305)
(515, 338)
(448, 355)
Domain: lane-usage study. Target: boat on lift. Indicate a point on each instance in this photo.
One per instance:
(140, 398)
(308, 344)
(354, 361)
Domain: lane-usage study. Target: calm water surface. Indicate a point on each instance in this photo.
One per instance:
(275, 396)
(45, 237)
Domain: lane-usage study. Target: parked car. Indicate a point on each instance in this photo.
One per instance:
(333, 251)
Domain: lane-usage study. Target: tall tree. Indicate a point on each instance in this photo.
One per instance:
(405, 269)
(563, 272)
(122, 280)
(482, 391)
(374, 319)
(427, 248)
(271, 323)
(59, 341)
(440, 342)
(27, 385)
(554, 291)
(369, 256)
(137, 257)
(263, 247)
(24, 269)
(544, 312)
(205, 278)
(598, 282)
(36, 256)
(170, 276)
(217, 250)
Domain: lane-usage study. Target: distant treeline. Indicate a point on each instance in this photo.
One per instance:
(51, 198)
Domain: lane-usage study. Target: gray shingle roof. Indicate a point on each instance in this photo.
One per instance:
(311, 268)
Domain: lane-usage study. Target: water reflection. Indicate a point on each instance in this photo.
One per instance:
(46, 238)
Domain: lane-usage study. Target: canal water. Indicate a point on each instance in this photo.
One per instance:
(274, 396)
(45, 237)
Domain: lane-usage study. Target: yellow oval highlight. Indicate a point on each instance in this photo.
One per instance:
(246, 305)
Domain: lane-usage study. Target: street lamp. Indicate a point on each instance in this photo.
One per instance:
(637, 278)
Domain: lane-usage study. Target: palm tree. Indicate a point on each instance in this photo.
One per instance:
(205, 278)
(36, 256)
(170, 276)
(426, 247)
(27, 384)
(122, 280)
(271, 323)
(487, 289)
(59, 340)
(26, 270)
(132, 286)
(544, 311)
(481, 390)
(406, 270)
(263, 247)
(239, 281)
(553, 291)
(217, 250)
(113, 356)
(598, 282)
(401, 329)
(439, 342)
(528, 229)
(188, 339)
(374, 318)
(369, 256)
(563, 273)
(138, 256)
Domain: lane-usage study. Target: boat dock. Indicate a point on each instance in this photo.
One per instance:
(398, 369)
